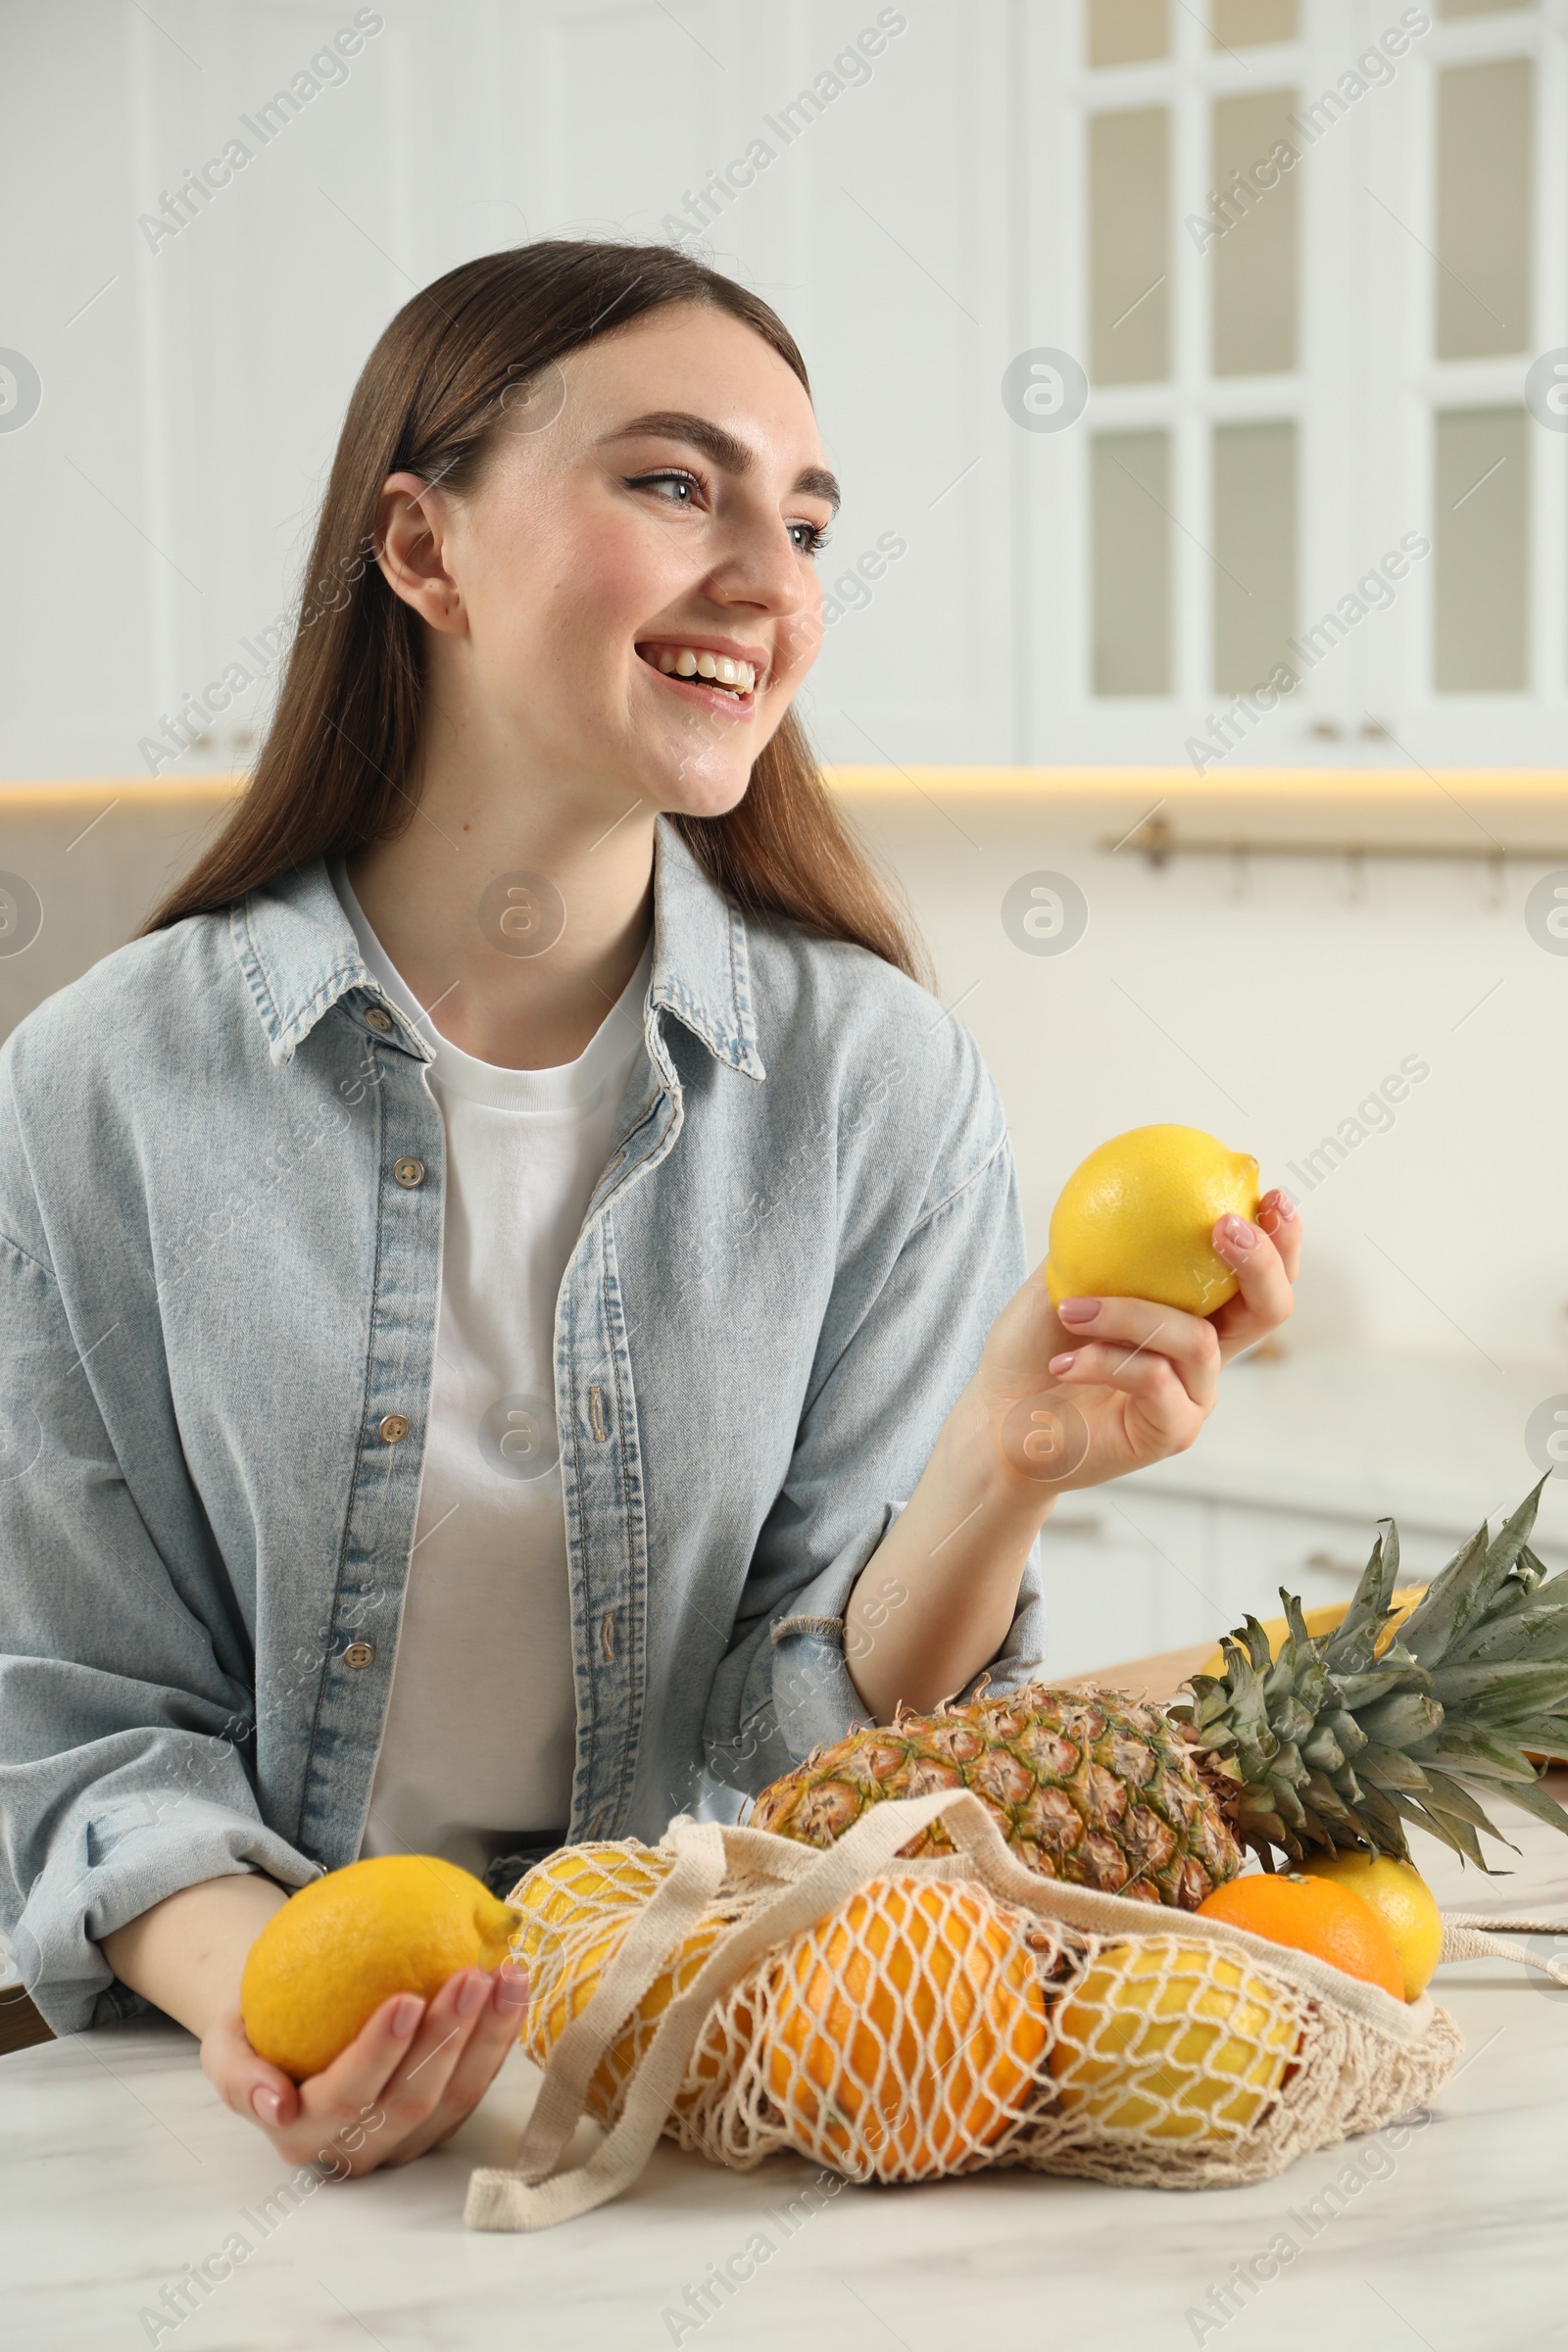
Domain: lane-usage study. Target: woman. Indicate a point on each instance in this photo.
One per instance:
(514, 1293)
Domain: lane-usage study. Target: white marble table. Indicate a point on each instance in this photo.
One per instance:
(119, 2169)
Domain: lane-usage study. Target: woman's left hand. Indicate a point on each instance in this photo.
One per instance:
(1143, 1378)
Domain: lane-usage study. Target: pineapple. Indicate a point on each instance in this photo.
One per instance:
(1346, 1735)
(1339, 1741)
(1085, 1786)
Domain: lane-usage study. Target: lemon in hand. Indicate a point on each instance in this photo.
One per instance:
(342, 1946)
(1134, 1220)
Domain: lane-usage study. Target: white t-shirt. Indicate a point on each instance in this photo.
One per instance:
(479, 1744)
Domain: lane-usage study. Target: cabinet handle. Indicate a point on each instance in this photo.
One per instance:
(1327, 1560)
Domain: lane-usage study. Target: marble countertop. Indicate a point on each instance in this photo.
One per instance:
(1436, 1441)
(119, 2169)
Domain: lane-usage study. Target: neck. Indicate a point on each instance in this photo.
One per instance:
(478, 822)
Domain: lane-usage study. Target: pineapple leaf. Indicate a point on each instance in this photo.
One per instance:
(1258, 1652)
(1461, 1593)
(1531, 1797)
(1508, 1686)
(1465, 1747)
(1301, 1638)
(1458, 1833)
(1381, 1823)
(1448, 1795)
(1529, 1568)
(1370, 1602)
(1392, 1768)
(1534, 1626)
(1358, 1691)
(1325, 1799)
(1401, 1719)
(1548, 1733)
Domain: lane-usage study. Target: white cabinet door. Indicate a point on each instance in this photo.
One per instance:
(1125, 1578)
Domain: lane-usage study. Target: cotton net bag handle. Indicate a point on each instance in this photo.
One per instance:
(534, 2194)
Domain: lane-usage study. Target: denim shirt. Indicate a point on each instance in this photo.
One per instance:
(221, 1225)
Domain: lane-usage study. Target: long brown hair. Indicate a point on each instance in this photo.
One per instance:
(335, 770)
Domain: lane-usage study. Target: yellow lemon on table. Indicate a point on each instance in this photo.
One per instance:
(1134, 1220)
(1170, 2041)
(1403, 1901)
(342, 1946)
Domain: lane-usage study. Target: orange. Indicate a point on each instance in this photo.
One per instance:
(1403, 1901)
(1311, 1915)
(909, 2027)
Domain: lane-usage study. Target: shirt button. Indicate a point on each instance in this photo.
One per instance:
(395, 1428)
(379, 1019)
(407, 1173)
(360, 1653)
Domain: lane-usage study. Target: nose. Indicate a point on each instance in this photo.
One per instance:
(761, 571)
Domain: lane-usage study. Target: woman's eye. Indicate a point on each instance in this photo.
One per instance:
(809, 537)
(677, 489)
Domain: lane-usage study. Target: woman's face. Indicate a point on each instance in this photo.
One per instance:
(650, 514)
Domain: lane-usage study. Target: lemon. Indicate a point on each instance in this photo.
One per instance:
(322, 1965)
(1134, 1220)
(1323, 1620)
(1401, 1899)
(1170, 2041)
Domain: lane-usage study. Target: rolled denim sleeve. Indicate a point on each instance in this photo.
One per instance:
(120, 1781)
(865, 1436)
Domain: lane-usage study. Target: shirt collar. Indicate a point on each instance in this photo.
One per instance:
(296, 949)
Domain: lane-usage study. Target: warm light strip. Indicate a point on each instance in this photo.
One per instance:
(1174, 785)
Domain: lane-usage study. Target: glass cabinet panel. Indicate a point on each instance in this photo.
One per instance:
(1249, 23)
(1131, 494)
(1483, 208)
(1126, 33)
(1128, 246)
(1254, 259)
(1481, 545)
(1254, 547)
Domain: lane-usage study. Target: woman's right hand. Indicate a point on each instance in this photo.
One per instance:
(411, 2075)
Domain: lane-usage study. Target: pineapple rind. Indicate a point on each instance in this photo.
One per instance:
(1088, 1787)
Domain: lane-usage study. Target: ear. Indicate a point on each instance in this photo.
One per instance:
(412, 527)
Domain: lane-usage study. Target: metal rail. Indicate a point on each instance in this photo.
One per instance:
(1159, 843)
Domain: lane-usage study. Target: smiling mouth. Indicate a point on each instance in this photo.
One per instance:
(698, 669)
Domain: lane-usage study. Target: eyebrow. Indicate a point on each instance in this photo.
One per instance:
(725, 451)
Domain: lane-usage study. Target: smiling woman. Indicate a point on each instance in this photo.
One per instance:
(609, 1404)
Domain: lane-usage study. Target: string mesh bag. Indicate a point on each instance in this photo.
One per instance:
(901, 2019)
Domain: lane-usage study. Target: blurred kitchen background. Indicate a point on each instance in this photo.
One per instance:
(1168, 352)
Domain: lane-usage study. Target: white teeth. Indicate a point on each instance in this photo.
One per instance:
(721, 668)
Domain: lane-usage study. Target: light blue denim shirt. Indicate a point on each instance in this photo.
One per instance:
(220, 1221)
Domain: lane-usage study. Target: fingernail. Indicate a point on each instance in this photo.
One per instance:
(1062, 1363)
(406, 2014)
(266, 2103)
(1078, 1310)
(1284, 1205)
(511, 1988)
(1238, 1232)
